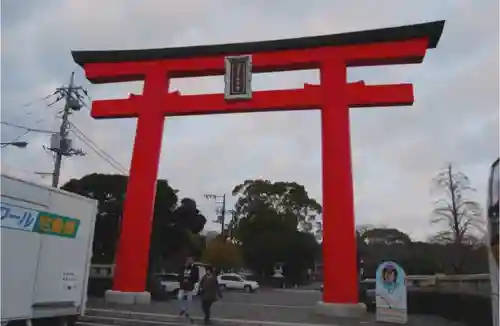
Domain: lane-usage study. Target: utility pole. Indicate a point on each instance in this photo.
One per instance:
(63, 130)
(64, 146)
(231, 223)
(221, 218)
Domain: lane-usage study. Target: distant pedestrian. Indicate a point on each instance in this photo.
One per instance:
(209, 292)
(187, 279)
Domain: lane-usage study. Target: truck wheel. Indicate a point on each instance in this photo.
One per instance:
(65, 321)
(68, 321)
(14, 323)
(248, 288)
(59, 321)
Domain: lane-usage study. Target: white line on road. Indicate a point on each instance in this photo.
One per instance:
(151, 322)
(263, 305)
(86, 323)
(309, 291)
(226, 320)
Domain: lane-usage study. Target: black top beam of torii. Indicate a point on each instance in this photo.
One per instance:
(432, 31)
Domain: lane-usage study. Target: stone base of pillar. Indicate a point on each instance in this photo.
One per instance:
(346, 310)
(129, 298)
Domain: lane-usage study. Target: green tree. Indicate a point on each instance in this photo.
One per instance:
(109, 191)
(175, 227)
(289, 200)
(262, 251)
(176, 234)
(378, 244)
(301, 252)
(222, 254)
(267, 217)
(387, 236)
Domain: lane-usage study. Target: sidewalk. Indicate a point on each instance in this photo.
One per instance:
(228, 314)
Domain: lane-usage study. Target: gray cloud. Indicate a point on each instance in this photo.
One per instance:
(396, 151)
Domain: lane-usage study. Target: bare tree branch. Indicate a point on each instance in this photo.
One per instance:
(461, 218)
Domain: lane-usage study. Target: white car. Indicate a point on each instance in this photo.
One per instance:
(233, 281)
(170, 283)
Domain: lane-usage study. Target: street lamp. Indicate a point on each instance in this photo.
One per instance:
(20, 144)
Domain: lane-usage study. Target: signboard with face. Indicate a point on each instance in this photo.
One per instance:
(391, 295)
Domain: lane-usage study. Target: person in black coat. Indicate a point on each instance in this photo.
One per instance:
(209, 292)
(187, 279)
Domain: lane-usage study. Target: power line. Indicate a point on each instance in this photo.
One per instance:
(99, 151)
(28, 128)
(100, 155)
(80, 98)
(109, 157)
(41, 99)
(105, 157)
(55, 101)
(38, 99)
(14, 170)
(60, 143)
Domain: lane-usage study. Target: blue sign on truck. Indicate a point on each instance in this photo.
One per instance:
(23, 219)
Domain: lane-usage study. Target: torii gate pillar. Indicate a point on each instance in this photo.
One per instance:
(331, 54)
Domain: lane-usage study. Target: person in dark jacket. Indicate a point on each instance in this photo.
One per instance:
(209, 292)
(187, 279)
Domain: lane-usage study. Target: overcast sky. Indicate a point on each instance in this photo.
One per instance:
(396, 151)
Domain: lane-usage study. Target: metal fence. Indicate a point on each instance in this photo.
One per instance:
(463, 283)
(471, 283)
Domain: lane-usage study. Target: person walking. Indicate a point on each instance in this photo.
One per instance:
(209, 292)
(187, 279)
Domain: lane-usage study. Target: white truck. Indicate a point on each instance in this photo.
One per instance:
(46, 247)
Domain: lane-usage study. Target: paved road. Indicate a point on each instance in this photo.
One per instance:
(294, 306)
(262, 305)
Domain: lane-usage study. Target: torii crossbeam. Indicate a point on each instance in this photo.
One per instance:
(331, 54)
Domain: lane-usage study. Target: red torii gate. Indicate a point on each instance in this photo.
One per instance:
(331, 54)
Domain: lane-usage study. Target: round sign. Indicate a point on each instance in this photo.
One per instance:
(390, 276)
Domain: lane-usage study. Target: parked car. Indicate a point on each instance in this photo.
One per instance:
(170, 281)
(233, 281)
